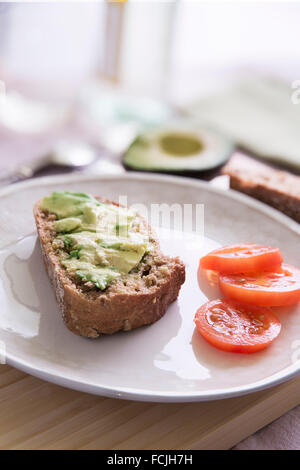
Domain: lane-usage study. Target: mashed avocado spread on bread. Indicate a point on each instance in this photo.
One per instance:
(98, 241)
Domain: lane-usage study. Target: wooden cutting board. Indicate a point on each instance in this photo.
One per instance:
(38, 415)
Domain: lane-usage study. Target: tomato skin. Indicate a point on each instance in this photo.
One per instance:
(234, 327)
(270, 289)
(242, 258)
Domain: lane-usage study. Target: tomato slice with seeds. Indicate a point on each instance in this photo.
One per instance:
(272, 289)
(243, 258)
(234, 327)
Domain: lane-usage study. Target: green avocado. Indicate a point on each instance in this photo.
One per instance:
(100, 241)
(100, 277)
(179, 150)
(67, 225)
(66, 204)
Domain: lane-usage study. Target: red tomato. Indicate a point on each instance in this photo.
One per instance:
(272, 289)
(234, 327)
(244, 258)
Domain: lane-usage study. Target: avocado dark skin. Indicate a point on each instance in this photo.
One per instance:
(204, 175)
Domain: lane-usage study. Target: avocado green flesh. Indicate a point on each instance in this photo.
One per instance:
(100, 240)
(180, 145)
(67, 204)
(175, 150)
(100, 277)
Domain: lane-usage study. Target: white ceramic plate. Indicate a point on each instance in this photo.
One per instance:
(167, 361)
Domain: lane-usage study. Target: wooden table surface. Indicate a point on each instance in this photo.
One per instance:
(38, 415)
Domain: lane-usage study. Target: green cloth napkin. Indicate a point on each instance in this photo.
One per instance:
(259, 115)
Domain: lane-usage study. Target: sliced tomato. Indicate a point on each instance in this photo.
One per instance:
(234, 327)
(244, 258)
(272, 289)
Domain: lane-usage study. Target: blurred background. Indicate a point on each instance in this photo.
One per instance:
(94, 75)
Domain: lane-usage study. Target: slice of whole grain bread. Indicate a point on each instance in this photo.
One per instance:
(133, 300)
(279, 189)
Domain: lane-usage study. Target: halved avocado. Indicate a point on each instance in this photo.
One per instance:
(181, 150)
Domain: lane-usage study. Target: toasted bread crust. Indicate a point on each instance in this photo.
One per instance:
(276, 188)
(126, 304)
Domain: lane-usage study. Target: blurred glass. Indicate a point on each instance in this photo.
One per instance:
(56, 57)
(113, 116)
(59, 42)
(47, 52)
(163, 49)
